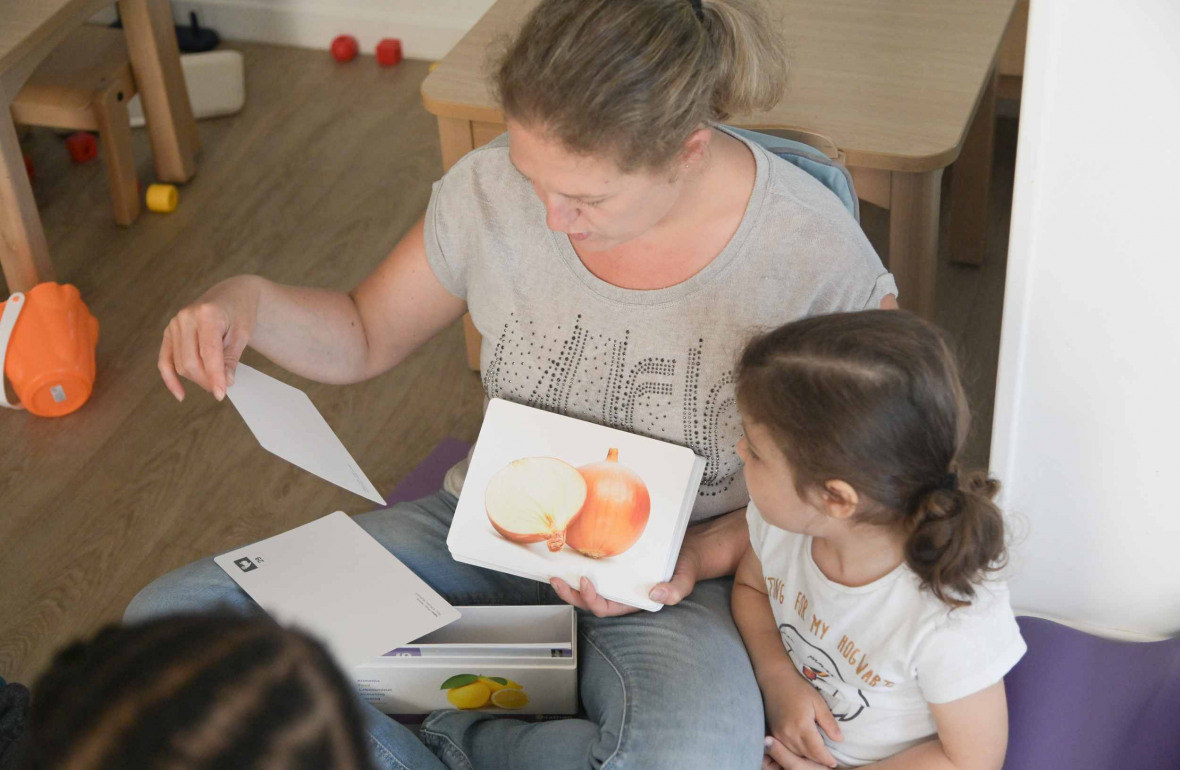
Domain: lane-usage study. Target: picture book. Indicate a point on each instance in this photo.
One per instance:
(548, 495)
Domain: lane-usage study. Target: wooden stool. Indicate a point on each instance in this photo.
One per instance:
(85, 85)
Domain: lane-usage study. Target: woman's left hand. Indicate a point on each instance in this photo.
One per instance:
(586, 597)
(779, 757)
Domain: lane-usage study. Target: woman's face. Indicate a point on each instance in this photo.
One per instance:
(588, 197)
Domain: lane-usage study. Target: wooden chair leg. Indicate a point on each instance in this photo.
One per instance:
(155, 59)
(114, 131)
(971, 182)
(913, 238)
(24, 254)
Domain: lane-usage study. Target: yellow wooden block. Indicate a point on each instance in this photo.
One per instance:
(162, 198)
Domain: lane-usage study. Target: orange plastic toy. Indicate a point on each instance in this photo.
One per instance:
(47, 342)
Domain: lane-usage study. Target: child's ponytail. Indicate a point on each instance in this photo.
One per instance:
(956, 534)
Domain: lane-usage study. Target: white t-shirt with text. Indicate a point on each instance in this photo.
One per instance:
(879, 653)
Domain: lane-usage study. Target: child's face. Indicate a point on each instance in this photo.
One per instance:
(771, 483)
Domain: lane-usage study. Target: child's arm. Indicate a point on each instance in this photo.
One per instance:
(972, 735)
(793, 707)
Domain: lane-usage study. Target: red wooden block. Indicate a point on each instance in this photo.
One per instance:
(30, 169)
(82, 146)
(344, 48)
(389, 52)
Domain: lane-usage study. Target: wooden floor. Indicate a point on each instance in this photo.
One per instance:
(311, 184)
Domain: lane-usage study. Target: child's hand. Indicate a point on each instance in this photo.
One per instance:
(795, 712)
(779, 757)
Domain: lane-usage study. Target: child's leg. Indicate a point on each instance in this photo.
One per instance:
(671, 689)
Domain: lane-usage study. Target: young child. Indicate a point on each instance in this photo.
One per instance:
(862, 599)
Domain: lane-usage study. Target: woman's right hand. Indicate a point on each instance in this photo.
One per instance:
(204, 341)
(795, 712)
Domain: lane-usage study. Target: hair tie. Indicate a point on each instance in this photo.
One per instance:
(697, 9)
(949, 483)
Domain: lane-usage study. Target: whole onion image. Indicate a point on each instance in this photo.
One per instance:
(599, 510)
(615, 512)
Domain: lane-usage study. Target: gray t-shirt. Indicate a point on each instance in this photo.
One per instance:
(656, 362)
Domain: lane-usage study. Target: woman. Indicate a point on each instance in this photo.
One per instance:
(615, 248)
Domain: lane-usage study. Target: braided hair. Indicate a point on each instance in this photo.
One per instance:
(195, 691)
(874, 398)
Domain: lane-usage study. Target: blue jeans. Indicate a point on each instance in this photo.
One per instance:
(670, 689)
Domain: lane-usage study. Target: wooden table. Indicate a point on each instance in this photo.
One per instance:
(903, 88)
(29, 30)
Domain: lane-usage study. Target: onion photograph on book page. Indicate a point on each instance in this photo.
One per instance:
(552, 496)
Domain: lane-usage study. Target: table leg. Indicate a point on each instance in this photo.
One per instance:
(24, 254)
(155, 59)
(114, 131)
(971, 182)
(913, 238)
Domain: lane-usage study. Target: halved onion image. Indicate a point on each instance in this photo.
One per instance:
(615, 512)
(534, 499)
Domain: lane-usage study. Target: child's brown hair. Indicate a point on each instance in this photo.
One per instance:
(874, 399)
(634, 78)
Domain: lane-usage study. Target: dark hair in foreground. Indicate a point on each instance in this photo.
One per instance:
(874, 399)
(195, 691)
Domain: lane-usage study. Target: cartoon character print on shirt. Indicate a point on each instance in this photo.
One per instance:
(821, 671)
(596, 377)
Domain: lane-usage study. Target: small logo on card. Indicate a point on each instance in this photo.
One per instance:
(245, 565)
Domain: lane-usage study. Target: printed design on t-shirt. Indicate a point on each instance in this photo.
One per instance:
(595, 377)
(821, 671)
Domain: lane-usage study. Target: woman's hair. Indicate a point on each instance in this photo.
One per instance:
(634, 78)
(874, 399)
(195, 691)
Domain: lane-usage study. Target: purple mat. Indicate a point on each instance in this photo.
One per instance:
(1081, 702)
(427, 476)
